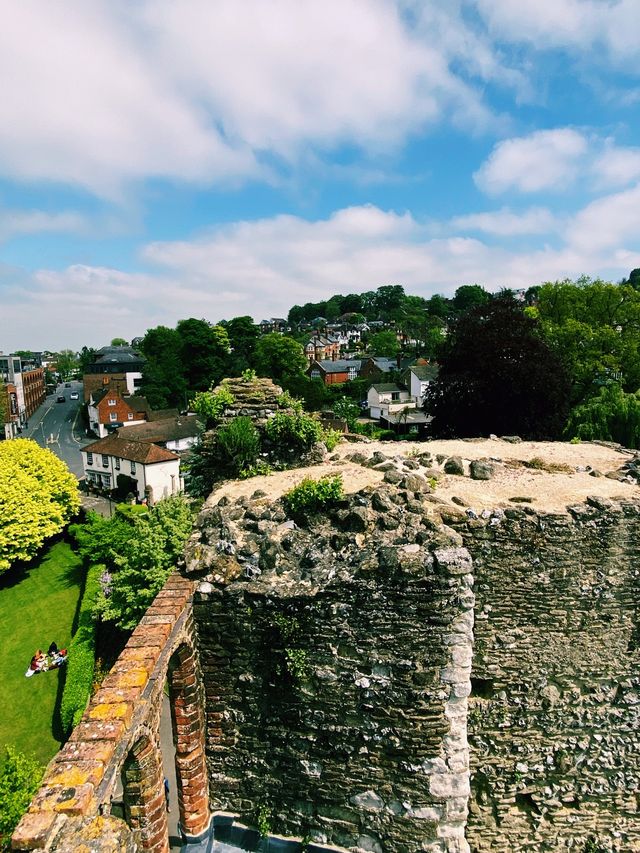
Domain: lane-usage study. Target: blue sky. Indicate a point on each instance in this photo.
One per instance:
(212, 158)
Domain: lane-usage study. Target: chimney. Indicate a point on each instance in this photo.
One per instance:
(399, 360)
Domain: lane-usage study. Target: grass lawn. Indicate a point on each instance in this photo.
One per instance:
(37, 605)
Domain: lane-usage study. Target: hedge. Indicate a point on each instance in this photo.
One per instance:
(81, 659)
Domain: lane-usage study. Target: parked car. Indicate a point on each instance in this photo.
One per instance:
(67, 385)
(74, 395)
(61, 398)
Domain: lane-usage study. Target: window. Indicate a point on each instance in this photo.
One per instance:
(133, 467)
(113, 416)
(106, 481)
(130, 416)
(89, 458)
(111, 402)
(315, 374)
(117, 464)
(105, 461)
(395, 395)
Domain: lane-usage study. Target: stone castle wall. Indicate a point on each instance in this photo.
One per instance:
(555, 709)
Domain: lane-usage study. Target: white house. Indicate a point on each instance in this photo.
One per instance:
(386, 399)
(418, 377)
(154, 472)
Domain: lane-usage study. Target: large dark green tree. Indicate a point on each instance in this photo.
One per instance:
(243, 336)
(498, 375)
(163, 382)
(203, 352)
(279, 357)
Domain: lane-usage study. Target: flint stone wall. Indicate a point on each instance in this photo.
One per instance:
(336, 659)
(554, 717)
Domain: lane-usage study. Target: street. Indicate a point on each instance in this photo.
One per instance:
(58, 427)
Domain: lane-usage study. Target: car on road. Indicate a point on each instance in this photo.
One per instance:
(74, 395)
(61, 398)
(67, 385)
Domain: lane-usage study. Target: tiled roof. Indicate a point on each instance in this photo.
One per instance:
(169, 429)
(136, 451)
(425, 371)
(341, 365)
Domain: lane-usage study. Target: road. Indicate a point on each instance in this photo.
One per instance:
(58, 427)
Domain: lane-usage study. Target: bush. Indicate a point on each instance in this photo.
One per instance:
(331, 438)
(238, 445)
(292, 434)
(312, 495)
(20, 778)
(81, 660)
(210, 405)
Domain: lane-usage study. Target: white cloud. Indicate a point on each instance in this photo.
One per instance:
(582, 25)
(102, 93)
(16, 223)
(544, 160)
(506, 223)
(262, 268)
(616, 167)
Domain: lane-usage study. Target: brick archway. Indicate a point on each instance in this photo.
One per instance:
(187, 717)
(144, 799)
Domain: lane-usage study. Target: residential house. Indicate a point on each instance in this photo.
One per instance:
(177, 433)
(386, 398)
(334, 372)
(275, 324)
(153, 472)
(108, 409)
(321, 348)
(119, 367)
(418, 378)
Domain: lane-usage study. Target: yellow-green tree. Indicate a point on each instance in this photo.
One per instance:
(38, 497)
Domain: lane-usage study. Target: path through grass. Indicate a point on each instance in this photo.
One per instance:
(37, 605)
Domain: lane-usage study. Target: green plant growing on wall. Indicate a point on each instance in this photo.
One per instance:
(296, 660)
(313, 495)
(238, 445)
(263, 820)
(211, 405)
(248, 375)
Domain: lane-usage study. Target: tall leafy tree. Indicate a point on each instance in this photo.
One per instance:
(163, 382)
(498, 375)
(243, 336)
(203, 352)
(279, 357)
(384, 343)
(610, 415)
(67, 362)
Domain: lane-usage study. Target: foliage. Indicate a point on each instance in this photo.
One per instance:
(249, 374)
(263, 820)
(260, 469)
(594, 326)
(67, 363)
(498, 375)
(312, 391)
(81, 659)
(287, 401)
(311, 496)
(119, 342)
(238, 445)
(211, 405)
(279, 357)
(243, 335)
(203, 353)
(331, 438)
(384, 343)
(20, 778)
(139, 555)
(470, 296)
(38, 496)
(611, 415)
(86, 356)
(163, 381)
(347, 410)
(290, 434)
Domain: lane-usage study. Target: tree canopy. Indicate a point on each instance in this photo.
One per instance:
(279, 357)
(38, 497)
(498, 375)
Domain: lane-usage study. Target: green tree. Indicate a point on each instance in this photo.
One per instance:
(163, 382)
(20, 778)
(67, 363)
(203, 352)
(347, 410)
(498, 375)
(119, 342)
(243, 336)
(39, 497)
(470, 296)
(279, 357)
(611, 415)
(86, 356)
(384, 343)
(140, 567)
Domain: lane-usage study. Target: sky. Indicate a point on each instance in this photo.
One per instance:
(167, 159)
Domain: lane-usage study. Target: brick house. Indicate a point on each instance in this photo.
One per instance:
(119, 367)
(321, 348)
(333, 372)
(108, 408)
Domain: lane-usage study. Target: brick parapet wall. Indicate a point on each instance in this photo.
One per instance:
(80, 780)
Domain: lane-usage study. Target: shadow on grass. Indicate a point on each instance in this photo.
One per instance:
(57, 730)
